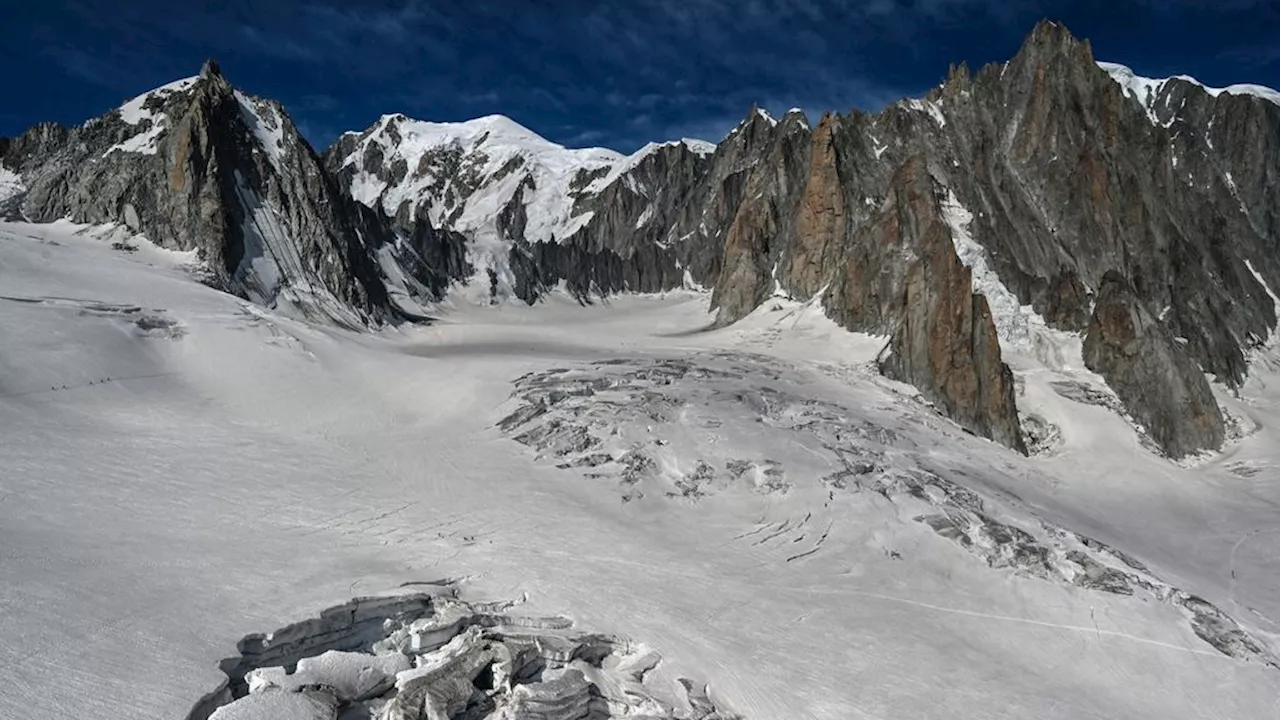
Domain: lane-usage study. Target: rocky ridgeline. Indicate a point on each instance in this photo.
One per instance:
(1048, 194)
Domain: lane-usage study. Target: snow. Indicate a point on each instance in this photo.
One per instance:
(277, 705)
(629, 163)
(366, 188)
(804, 120)
(645, 217)
(134, 113)
(699, 147)
(490, 142)
(877, 147)
(11, 184)
(1146, 90)
(1275, 301)
(143, 143)
(930, 107)
(350, 674)
(266, 125)
(763, 114)
(164, 496)
(498, 157)
(1019, 327)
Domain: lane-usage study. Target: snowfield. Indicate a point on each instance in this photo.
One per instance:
(754, 504)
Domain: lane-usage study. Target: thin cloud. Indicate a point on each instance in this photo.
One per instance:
(276, 45)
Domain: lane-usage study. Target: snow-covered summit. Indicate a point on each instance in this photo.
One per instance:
(1145, 90)
(465, 173)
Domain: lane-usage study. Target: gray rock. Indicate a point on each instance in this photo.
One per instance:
(1141, 360)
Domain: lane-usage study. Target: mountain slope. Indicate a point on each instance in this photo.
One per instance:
(510, 192)
(1050, 172)
(198, 165)
(1063, 178)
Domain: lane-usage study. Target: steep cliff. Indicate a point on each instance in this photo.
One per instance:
(534, 213)
(198, 165)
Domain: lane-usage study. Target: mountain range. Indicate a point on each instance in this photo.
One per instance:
(1052, 206)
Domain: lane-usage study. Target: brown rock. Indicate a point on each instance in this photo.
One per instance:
(902, 277)
(821, 222)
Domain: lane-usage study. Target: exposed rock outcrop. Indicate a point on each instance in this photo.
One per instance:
(901, 276)
(1142, 361)
(765, 221)
(1065, 169)
(198, 165)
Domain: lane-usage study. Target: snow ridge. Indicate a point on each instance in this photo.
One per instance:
(488, 144)
(1145, 90)
(135, 112)
(502, 156)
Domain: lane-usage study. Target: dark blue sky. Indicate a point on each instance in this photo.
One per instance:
(615, 73)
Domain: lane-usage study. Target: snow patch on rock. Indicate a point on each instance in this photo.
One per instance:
(1146, 90)
(266, 125)
(136, 112)
(1019, 327)
(1275, 301)
(630, 162)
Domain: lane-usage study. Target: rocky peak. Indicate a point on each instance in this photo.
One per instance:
(210, 69)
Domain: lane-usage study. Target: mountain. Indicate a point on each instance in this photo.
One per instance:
(534, 212)
(198, 165)
(1051, 209)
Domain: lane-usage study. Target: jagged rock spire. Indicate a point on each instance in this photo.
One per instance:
(210, 69)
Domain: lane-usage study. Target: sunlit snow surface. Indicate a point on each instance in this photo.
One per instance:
(182, 468)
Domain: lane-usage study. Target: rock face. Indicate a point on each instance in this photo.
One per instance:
(198, 165)
(1129, 347)
(536, 213)
(945, 339)
(1051, 171)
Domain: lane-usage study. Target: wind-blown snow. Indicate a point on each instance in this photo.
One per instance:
(1147, 90)
(164, 493)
